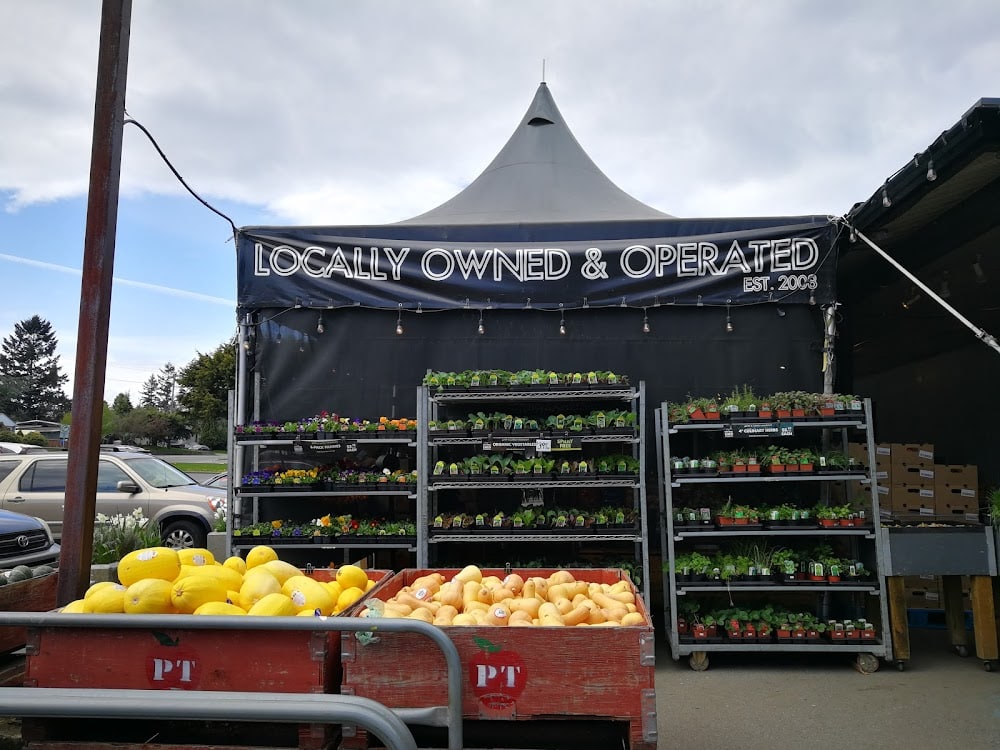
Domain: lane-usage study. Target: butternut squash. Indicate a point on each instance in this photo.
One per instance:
(576, 615)
(514, 582)
(469, 573)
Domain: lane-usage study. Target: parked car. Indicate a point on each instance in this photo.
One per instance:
(25, 540)
(117, 448)
(21, 448)
(183, 509)
(219, 480)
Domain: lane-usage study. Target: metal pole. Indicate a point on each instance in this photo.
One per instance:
(73, 703)
(981, 334)
(95, 302)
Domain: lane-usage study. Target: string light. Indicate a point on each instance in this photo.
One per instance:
(812, 297)
(277, 339)
(399, 321)
(886, 202)
(781, 311)
(562, 320)
(481, 330)
(931, 172)
(623, 303)
(700, 303)
(977, 268)
(729, 319)
(914, 299)
(645, 321)
(853, 236)
(320, 328)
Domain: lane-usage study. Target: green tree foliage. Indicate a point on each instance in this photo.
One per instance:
(31, 382)
(145, 424)
(204, 392)
(159, 390)
(122, 404)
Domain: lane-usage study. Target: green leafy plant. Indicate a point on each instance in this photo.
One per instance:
(116, 536)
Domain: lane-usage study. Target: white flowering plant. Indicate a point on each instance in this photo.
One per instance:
(116, 536)
(219, 516)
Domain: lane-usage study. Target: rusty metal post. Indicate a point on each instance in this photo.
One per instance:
(95, 301)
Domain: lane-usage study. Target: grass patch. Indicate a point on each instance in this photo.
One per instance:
(199, 468)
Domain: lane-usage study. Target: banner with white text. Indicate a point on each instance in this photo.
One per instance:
(681, 262)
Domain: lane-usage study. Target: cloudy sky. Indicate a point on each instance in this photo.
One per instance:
(318, 112)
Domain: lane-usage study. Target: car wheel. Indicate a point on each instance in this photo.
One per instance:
(183, 534)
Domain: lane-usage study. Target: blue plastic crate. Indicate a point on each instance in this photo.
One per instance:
(932, 619)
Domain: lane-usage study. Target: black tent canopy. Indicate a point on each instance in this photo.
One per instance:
(541, 236)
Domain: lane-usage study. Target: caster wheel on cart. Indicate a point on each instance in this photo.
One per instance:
(988, 666)
(901, 666)
(962, 651)
(867, 663)
(698, 661)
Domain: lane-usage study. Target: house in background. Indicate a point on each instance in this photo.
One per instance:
(53, 432)
(6, 423)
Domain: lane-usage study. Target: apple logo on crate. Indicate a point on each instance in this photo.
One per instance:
(172, 667)
(497, 677)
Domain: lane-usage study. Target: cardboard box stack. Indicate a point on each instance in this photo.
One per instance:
(913, 488)
(911, 481)
(956, 492)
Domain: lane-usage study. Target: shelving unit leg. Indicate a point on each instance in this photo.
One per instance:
(897, 619)
(954, 616)
(984, 622)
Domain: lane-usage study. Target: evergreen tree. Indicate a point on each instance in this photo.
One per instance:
(122, 404)
(31, 382)
(165, 398)
(150, 393)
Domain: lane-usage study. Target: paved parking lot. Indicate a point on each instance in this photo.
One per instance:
(820, 702)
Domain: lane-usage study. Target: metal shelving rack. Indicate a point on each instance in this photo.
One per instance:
(299, 445)
(428, 406)
(867, 653)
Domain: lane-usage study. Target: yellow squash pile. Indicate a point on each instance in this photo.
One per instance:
(161, 580)
(470, 598)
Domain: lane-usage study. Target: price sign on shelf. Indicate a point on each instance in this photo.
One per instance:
(758, 429)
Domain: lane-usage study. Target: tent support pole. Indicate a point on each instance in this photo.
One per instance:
(981, 334)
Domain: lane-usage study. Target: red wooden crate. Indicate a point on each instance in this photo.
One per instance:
(32, 595)
(563, 673)
(178, 658)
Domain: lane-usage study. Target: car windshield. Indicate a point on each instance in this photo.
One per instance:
(159, 473)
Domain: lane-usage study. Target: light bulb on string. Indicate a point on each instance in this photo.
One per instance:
(886, 201)
(481, 329)
(320, 328)
(977, 269)
(812, 297)
(277, 339)
(399, 321)
(729, 319)
(645, 321)
(931, 172)
(562, 320)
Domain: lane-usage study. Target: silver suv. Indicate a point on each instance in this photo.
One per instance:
(35, 484)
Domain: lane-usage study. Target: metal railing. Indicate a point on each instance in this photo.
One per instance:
(449, 716)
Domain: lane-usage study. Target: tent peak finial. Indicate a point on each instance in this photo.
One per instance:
(543, 71)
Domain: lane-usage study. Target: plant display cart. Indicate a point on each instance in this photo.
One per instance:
(529, 481)
(949, 552)
(327, 515)
(782, 582)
